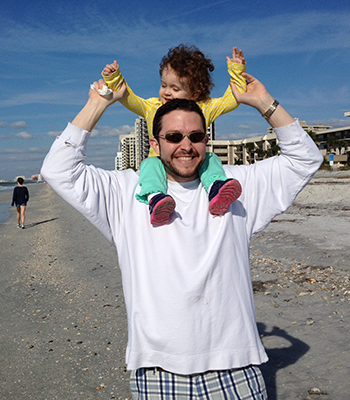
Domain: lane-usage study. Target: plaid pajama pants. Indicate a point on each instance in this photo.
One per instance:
(235, 384)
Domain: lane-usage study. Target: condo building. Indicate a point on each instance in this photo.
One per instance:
(134, 148)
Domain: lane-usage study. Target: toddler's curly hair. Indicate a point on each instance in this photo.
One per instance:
(189, 62)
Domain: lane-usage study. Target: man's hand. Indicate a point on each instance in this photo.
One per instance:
(110, 98)
(110, 68)
(96, 106)
(237, 56)
(256, 94)
(258, 97)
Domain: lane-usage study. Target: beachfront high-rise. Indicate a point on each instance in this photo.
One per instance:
(142, 145)
(127, 150)
(133, 148)
(119, 161)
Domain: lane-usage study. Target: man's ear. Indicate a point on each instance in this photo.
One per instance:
(155, 145)
(206, 139)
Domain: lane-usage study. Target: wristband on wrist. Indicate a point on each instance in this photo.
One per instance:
(271, 110)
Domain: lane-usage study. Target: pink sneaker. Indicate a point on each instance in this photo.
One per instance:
(222, 195)
(161, 206)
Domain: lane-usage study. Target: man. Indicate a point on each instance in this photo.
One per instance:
(20, 199)
(187, 284)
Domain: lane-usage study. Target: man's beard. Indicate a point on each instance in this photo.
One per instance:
(174, 171)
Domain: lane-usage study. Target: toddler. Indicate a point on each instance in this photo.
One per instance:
(185, 73)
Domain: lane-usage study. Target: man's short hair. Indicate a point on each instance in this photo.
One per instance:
(20, 181)
(176, 104)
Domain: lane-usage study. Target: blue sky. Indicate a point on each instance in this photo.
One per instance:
(52, 50)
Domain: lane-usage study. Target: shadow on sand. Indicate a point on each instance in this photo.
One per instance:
(39, 223)
(280, 357)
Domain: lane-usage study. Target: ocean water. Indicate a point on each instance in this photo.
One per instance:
(4, 212)
(5, 186)
(5, 207)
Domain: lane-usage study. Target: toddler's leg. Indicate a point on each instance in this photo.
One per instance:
(222, 191)
(153, 182)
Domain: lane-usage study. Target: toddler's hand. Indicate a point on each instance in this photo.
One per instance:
(110, 68)
(237, 56)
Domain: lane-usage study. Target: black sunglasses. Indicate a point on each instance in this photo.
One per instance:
(177, 137)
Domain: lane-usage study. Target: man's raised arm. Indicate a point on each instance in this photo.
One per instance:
(258, 97)
(64, 167)
(96, 105)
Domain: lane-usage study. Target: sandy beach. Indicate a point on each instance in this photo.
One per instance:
(63, 323)
(301, 275)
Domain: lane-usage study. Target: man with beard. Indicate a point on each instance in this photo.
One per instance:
(191, 320)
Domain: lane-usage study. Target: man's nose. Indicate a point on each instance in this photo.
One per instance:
(186, 143)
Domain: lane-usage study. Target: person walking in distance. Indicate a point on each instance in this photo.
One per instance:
(20, 199)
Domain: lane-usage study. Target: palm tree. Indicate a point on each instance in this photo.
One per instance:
(331, 143)
(313, 135)
(250, 146)
(334, 144)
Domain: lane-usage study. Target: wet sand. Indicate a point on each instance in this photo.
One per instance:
(63, 323)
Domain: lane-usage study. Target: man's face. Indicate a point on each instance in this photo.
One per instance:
(181, 160)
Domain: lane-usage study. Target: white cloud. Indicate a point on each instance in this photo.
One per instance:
(317, 96)
(101, 145)
(54, 133)
(239, 136)
(244, 127)
(281, 34)
(19, 151)
(12, 151)
(19, 125)
(334, 122)
(24, 135)
(37, 150)
(3, 124)
(107, 131)
(195, 10)
(42, 97)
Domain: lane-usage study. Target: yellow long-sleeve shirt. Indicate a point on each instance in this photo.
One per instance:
(211, 108)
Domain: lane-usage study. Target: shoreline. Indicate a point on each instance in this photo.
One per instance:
(62, 309)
